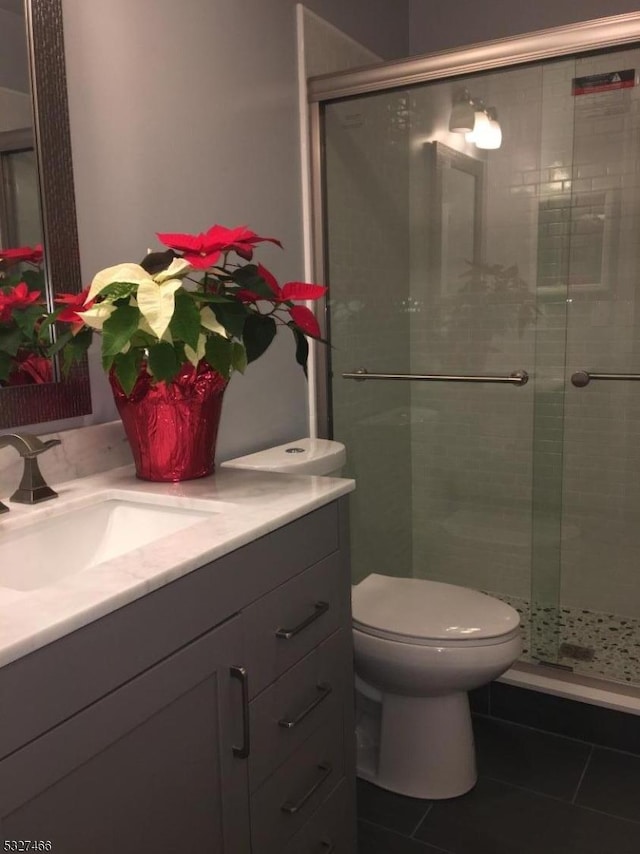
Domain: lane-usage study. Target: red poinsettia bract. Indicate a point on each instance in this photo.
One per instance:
(32, 254)
(203, 250)
(301, 316)
(74, 304)
(18, 297)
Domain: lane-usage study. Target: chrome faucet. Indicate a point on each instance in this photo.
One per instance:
(32, 487)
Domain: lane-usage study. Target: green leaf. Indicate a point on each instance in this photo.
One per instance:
(259, 332)
(60, 342)
(10, 340)
(34, 280)
(249, 278)
(119, 290)
(238, 357)
(141, 339)
(26, 318)
(232, 315)
(201, 297)
(74, 349)
(126, 367)
(185, 323)
(163, 362)
(107, 362)
(6, 363)
(302, 348)
(156, 262)
(118, 329)
(218, 354)
(44, 330)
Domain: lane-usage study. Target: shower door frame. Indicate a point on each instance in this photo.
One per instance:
(598, 34)
(588, 36)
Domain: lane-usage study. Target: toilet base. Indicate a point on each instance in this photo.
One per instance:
(426, 747)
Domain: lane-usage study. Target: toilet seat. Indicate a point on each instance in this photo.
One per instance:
(430, 613)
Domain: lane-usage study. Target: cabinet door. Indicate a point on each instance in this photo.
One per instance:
(149, 768)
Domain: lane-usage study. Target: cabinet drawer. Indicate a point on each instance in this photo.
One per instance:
(332, 828)
(290, 621)
(288, 712)
(287, 799)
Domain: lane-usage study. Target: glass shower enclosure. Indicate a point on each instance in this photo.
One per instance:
(484, 321)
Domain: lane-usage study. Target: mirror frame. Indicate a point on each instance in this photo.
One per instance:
(70, 396)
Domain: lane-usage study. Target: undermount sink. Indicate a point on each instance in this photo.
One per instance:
(71, 542)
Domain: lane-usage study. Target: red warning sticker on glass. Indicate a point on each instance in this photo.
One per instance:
(603, 82)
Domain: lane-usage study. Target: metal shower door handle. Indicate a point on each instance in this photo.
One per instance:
(514, 378)
(580, 379)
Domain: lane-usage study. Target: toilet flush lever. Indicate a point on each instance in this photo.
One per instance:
(320, 608)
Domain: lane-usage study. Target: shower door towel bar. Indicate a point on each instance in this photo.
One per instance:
(582, 378)
(515, 378)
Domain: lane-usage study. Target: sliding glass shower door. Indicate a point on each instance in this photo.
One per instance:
(600, 593)
(457, 273)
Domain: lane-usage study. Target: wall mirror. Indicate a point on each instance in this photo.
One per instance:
(37, 203)
(455, 217)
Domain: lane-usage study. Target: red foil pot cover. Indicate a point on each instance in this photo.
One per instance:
(172, 427)
(31, 369)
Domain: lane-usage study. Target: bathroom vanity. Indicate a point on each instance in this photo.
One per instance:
(204, 706)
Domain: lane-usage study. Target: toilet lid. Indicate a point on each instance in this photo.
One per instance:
(414, 608)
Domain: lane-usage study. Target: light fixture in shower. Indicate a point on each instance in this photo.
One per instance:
(462, 113)
(490, 134)
(479, 124)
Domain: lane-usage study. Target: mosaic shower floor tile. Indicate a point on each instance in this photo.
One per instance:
(591, 642)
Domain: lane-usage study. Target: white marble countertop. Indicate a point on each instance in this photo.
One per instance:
(244, 505)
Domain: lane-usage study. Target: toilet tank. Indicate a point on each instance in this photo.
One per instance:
(303, 456)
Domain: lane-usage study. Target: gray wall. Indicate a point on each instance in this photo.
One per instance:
(435, 25)
(186, 114)
(380, 25)
(14, 66)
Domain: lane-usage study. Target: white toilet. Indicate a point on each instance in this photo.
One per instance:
(420, 646)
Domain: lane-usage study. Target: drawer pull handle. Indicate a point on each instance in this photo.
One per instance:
(324, 690)
(240, 673)
(328, 846)
(319, 609)
(292, 809)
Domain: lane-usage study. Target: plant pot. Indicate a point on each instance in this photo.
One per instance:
(172, 427)
(30, 369)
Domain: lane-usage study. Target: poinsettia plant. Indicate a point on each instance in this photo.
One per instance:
(194, 302)
(25, 338)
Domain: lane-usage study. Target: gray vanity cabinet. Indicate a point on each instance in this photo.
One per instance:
(145, 769)
(213, 715)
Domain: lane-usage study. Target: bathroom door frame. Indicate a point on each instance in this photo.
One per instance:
(611, 32)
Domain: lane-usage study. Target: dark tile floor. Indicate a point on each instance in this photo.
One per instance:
(537, 793)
